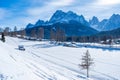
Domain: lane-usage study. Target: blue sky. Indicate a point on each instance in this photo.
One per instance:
(21, 12)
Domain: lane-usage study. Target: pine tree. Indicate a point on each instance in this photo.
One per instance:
(87, 61)
(3, 37)
(15, 31)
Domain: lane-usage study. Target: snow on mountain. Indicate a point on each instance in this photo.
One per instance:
(71, 23)
(29, 26)
(57, 16)
(94, 21)
(65, 17)
(60, 16)
(113, 23)
(98, 25)
(45, 61)
(106, 24)
(39, 23)
(101, 24)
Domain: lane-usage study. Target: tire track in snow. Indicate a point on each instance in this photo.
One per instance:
(13, 58)
(111, 64)
(55, 63)
(39, 75)
(65, 67)
(105, 75)
(71, 69)
(56, 58)
(39, 72)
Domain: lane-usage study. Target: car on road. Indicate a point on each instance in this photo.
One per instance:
(21, 47)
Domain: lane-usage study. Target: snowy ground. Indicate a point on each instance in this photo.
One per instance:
(45, 61)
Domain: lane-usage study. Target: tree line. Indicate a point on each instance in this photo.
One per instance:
(13, 33)
(55, 34)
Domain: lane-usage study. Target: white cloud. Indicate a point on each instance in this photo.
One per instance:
(62, 3)
(107, 2)
(45, 12)
(3, 13)
(45, 9)
(40, 12)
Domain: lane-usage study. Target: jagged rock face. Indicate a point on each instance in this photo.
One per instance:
(62, 17)
(71, 23)
(106, 24)
(94, 21)
(112, 23)
(29, 26)
(76, 25)
(39, 23)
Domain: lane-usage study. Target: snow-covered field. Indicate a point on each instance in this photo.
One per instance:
(45, 61)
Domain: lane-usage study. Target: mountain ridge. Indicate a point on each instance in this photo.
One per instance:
(75, 25)
(64, 17)
(106, 24)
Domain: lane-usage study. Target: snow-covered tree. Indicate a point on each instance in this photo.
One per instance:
(87, 61)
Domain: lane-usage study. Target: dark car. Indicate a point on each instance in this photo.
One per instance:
(21, 47)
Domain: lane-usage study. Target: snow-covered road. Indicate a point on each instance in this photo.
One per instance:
(45, 61)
